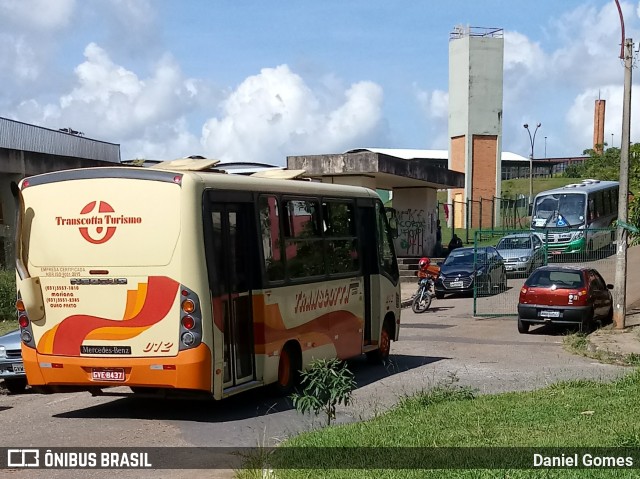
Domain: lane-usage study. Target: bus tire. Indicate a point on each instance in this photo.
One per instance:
(15, 385)
(288, 369)
(381, 355)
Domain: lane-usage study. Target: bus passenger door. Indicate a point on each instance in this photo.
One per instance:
(230, 278)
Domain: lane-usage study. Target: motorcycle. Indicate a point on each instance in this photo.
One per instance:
(424, 295)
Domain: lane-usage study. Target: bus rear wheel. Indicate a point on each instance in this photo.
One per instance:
(288, 370)
(381, 355)
(15, 385)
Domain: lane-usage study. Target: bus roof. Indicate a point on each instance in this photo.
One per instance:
(208, 179)
(585, 186)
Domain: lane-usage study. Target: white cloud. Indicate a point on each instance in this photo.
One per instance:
(275, 114)
(112, 103)
(580, 116)
(590, 46)
(434, 103)
(37, 14)
(523, 55)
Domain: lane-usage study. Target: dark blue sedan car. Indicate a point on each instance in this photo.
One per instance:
(466, 268)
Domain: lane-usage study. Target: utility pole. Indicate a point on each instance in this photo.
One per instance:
(620, 291)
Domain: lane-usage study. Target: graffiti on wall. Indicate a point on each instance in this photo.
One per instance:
(412, 226)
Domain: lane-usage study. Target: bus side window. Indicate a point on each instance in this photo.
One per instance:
(599, 204)
(270, 234)
(304, 245)
(607, 202)
(341, 242)
(386, 256)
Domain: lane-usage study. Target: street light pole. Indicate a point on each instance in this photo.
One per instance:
(545, 146)
(532, 140)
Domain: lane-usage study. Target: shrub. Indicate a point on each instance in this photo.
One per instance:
(326, 384)
(7, 294)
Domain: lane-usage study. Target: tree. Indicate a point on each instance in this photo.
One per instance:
(606, 166)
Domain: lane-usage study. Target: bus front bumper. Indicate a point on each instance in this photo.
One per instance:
(575, 246)
(190, 369)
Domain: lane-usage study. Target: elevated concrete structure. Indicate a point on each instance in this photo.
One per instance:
(27, 150)
(475, 115)
(414, 182)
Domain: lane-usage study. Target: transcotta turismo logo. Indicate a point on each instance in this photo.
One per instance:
(98, 222)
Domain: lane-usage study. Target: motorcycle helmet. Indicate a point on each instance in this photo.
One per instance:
(424, 263)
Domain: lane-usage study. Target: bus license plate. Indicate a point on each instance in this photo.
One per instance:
(107, 374)
(550, 314)
(456, 284)
(18, 368)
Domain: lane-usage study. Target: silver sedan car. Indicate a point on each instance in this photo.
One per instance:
(11, 366)
(522, 253)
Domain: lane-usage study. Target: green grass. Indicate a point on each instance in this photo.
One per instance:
(520, 186)
(570, 414)
(578, 343)
(8, 325)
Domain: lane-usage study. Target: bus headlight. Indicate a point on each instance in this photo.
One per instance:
(578, 235)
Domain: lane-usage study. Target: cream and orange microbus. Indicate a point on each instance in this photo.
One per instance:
(178, 277)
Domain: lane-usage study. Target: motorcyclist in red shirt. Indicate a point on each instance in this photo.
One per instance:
(425, 268)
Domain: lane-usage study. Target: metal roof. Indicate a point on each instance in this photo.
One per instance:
(15, 135)
(414, 154)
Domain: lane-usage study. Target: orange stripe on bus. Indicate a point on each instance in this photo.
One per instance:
(115, 333)
(72, 331)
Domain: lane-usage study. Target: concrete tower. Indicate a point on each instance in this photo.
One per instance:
(475, 119)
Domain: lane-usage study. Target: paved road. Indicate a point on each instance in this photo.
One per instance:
(487, 354)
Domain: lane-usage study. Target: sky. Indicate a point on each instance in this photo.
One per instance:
(242, 80)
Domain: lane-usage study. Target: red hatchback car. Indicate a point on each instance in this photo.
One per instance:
(564, 295)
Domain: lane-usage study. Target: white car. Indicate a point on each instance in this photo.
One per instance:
(11, 365)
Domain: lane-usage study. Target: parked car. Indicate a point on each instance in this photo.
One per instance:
(11, 366)
(522, 253)
(565, 295)
(465, 268)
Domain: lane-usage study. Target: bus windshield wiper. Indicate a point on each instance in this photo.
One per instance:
(552, 215)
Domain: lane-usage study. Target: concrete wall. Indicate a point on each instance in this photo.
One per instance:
(417, 215)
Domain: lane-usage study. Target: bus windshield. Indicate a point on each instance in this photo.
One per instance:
(559, 210)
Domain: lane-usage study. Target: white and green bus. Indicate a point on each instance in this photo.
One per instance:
(576, 218)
